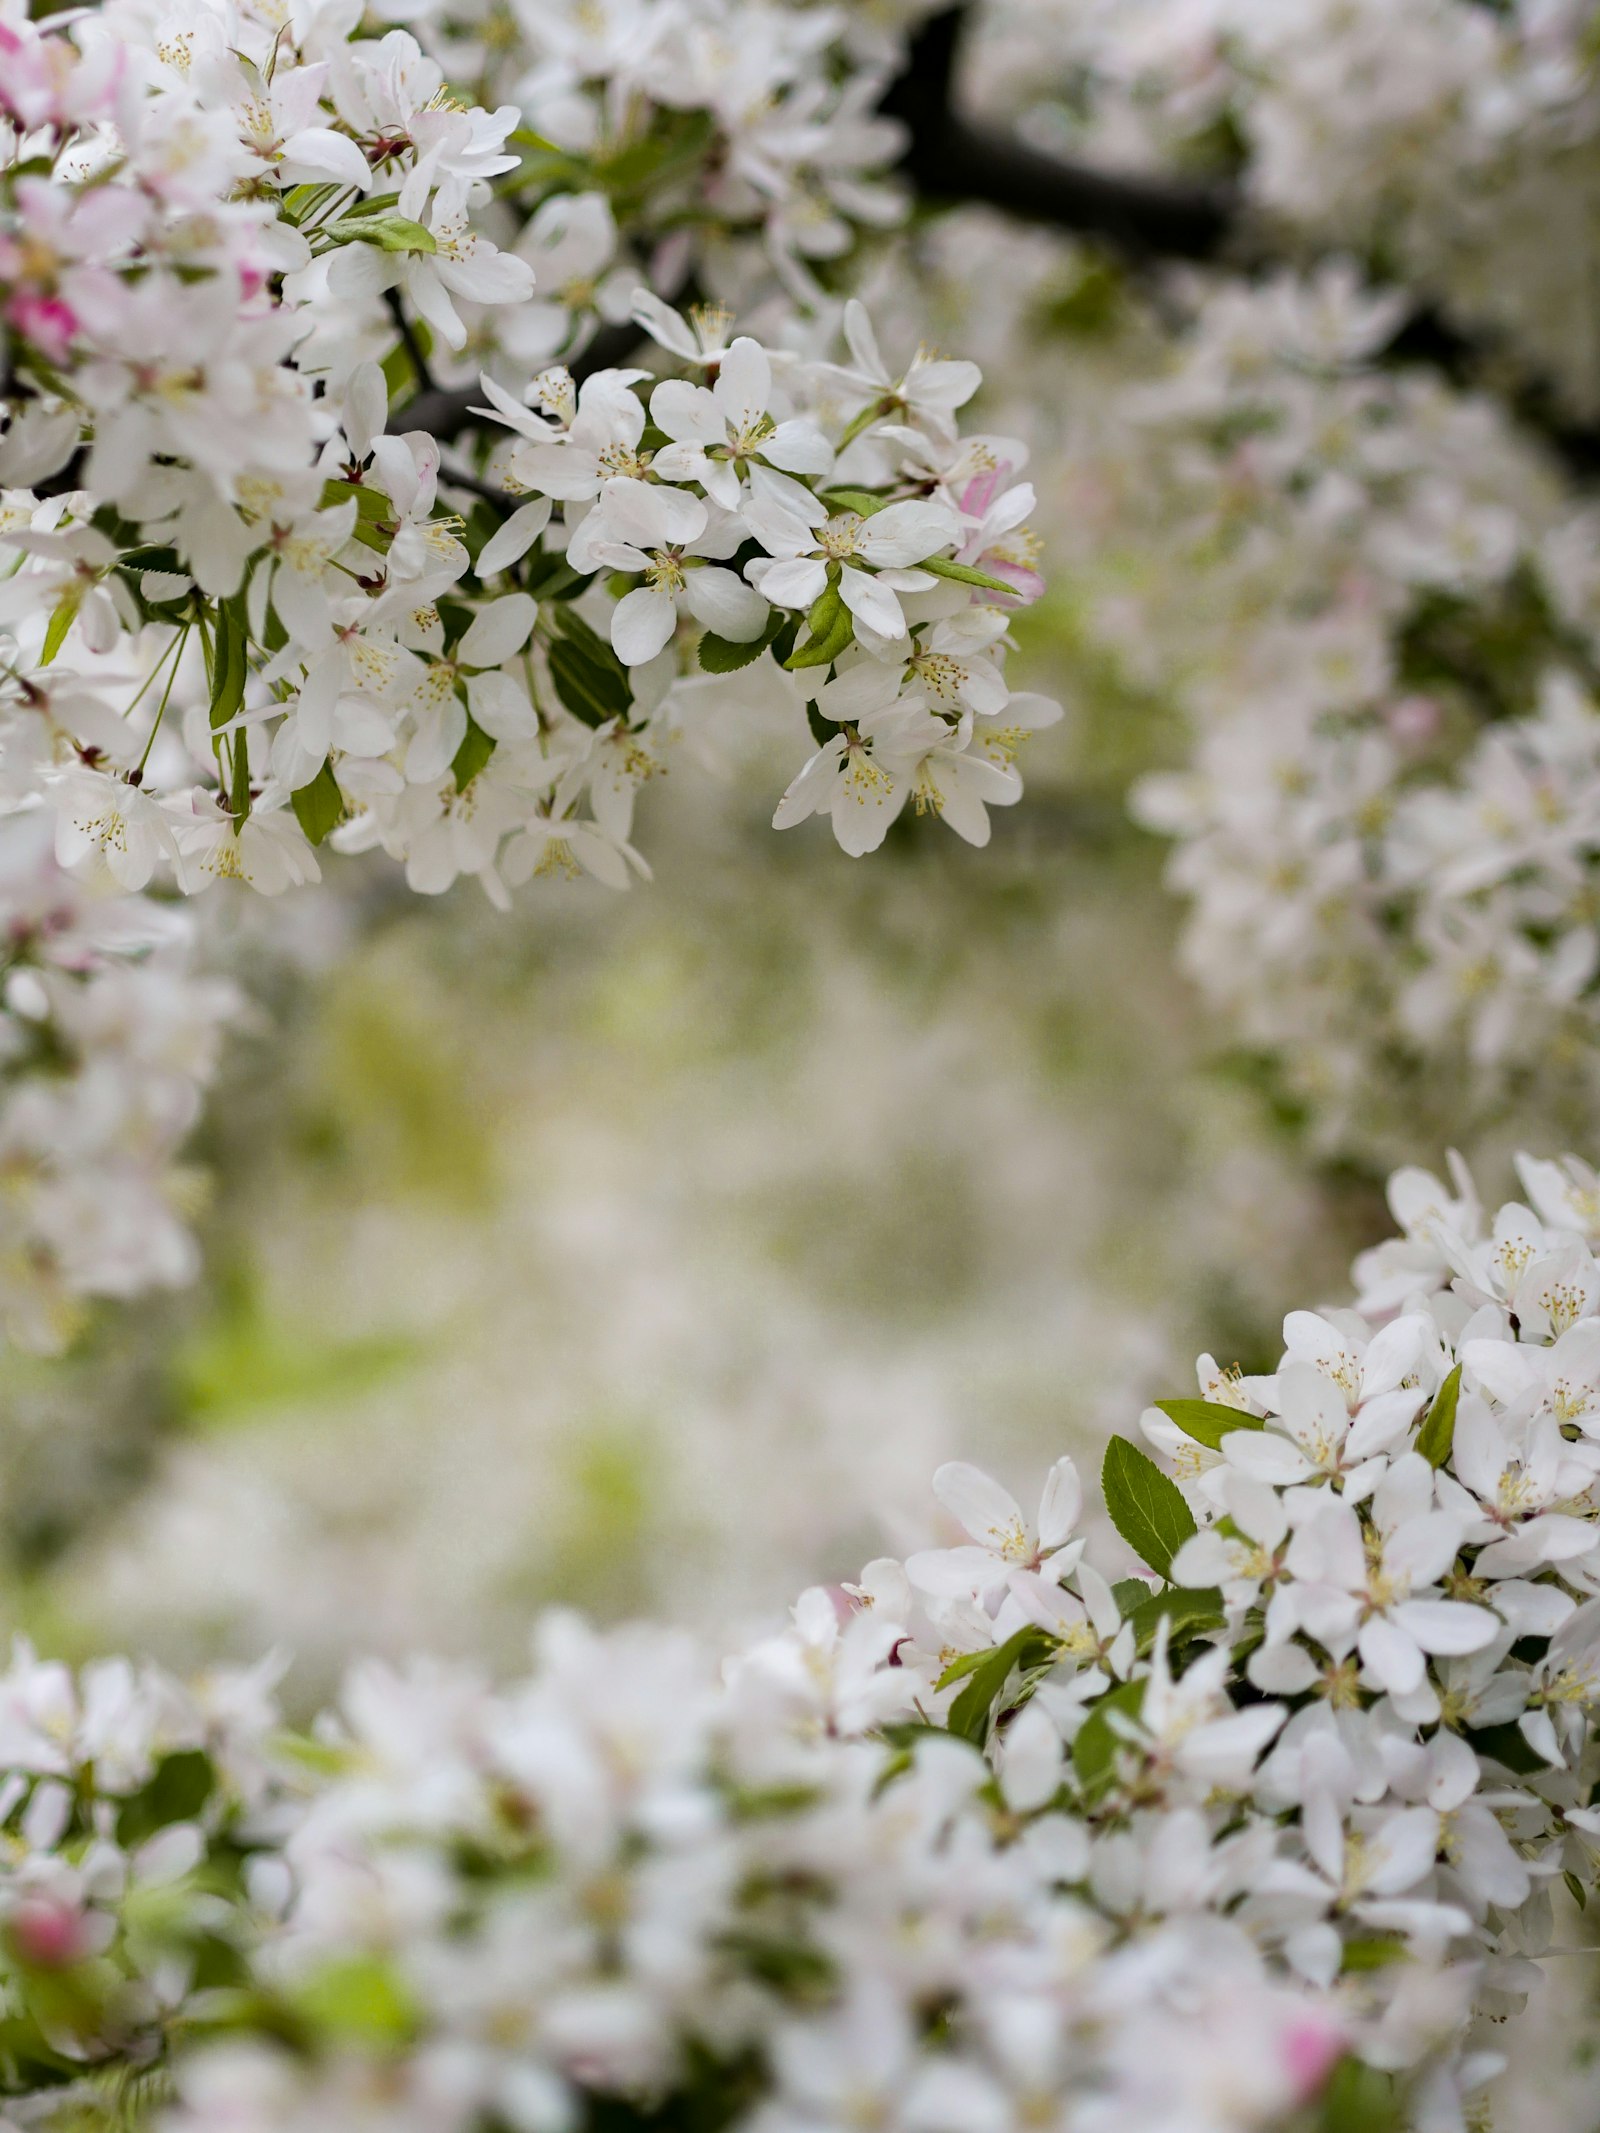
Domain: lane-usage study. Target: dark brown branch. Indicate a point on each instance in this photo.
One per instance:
(951, 158)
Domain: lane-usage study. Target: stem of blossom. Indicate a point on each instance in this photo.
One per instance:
(410, 342)
(178, 644)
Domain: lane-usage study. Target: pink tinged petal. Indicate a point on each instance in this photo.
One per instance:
(1061, 1505)
(1448, 1628)
(795, 584)
(977, 1502)
(871, 603)
(643, 624)
(1391, 1656)
(725, 604)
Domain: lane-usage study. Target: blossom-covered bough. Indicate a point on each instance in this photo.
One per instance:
(267, 286)
(1264, 1833)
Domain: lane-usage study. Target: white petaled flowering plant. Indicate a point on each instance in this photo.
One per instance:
(268, 285)
(1262, 1833)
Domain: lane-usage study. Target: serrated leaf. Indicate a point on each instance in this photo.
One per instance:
(1206, 1420)
(1438, 1434)
(1094, 1748)
(964, 574)
(1130, 1594)
(1146, 1508)
(1190, 1609)
(319, 806)
(475, 750)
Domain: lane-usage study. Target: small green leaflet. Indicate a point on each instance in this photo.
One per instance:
(1439, 1431)
(372, 506)
(56, 635)
(1146, 1508)
(229, 664)
(1207, 1422)
(832, 628)
(964, 574)
(969, 1714)
(861, 501)
(319, 806)
(1129, 1594)
(1094, 1750)
(1373, 1951)
(720, 655)
(1360, 2099)
(475, 750)
(390, 233)
(1189, 1610)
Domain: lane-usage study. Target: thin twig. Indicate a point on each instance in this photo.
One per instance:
(409, 341)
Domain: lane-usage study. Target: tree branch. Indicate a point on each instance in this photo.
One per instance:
(951, 158)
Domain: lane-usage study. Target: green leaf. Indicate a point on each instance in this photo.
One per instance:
(1506, 1745)
(1360, 2099)
(969, 1714)
(1576, 1890)
(1094, 1749)
(592, 689)
(1146, 1508)
(475, 750)
(358, 1998)
(720, 655)
(229, 660)
(1375, 1951)
(861, 501)
(1130, 1594)
(179, 1787)
(1207, 1422)
(832, 632)
(1439, 1431)
(390, 233)
(372, 506)
(963, 573)
(56, 635)
(1190, 1609)
(319, 806)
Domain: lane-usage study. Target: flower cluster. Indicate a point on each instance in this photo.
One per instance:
(1456, 144)
(107, 1042)
(1376, 609)
(239, 616)
(989, 1836)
